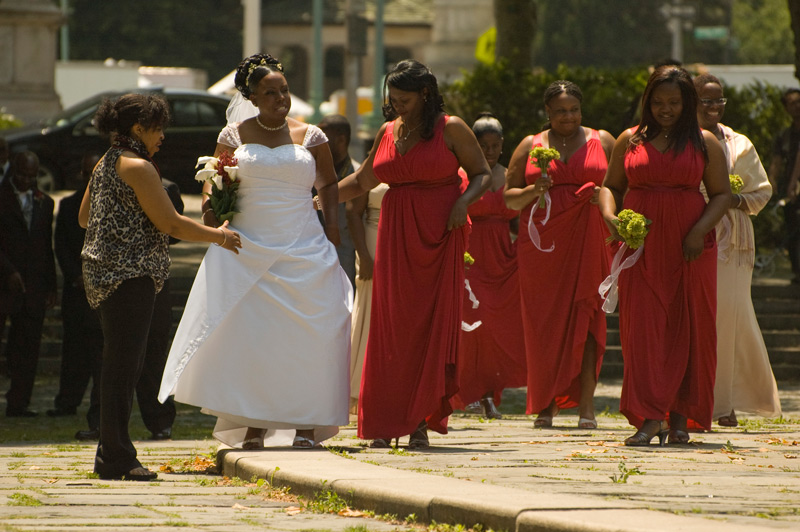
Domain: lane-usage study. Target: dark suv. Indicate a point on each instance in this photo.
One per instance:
(60, 141)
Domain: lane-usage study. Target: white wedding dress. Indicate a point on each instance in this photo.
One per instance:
(264, 340)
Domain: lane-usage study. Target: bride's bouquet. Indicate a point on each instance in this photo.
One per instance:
(221, 173)
(541, 157)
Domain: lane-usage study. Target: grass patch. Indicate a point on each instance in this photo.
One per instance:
(23, 499)
(624, 473)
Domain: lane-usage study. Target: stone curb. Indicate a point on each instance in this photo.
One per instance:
(447, 500)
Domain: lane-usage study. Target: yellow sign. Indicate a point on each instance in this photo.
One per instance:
(484, 47)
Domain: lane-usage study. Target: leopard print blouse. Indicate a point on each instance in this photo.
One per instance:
(121, 242)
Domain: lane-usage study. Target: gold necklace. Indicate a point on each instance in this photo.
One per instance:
(565, 139)
(285, 123)
(400, 140)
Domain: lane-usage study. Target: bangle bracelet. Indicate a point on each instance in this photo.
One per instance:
(224, 238)
(318, 205)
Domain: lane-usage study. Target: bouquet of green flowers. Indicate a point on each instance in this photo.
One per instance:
(736, 183)
(221, 173)
(541, 157)
(632, 227)
(468, 260)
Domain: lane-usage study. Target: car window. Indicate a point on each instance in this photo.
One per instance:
(194, 113)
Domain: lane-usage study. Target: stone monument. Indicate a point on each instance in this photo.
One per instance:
(28, 37)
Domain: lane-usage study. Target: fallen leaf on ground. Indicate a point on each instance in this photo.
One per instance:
(789, 456)
(238, 506)
(34, 468)
(347, 512)
(51, 480)
(293, 510)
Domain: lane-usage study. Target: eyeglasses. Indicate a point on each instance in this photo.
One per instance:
(718, 101)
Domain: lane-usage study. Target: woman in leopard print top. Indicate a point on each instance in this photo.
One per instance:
(128, 217)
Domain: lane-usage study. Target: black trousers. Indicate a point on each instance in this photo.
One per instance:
(22, 356)
(126, 316)
(77, 366)
(81, 353)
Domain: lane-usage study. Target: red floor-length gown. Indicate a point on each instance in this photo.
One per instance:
(561, 306)
(410, 363)
(492, 355)
(667, 305)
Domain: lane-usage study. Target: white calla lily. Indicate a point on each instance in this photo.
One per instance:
(204, 175)
(217, 180)
(206, 160)
(232, 170)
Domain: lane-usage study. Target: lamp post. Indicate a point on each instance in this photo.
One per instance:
(678, 18)
(376, 119)
(316, 68)
(251, 26)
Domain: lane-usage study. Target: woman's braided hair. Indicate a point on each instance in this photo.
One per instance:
(252, 69)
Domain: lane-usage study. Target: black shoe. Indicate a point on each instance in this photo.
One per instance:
(21, 413)
(60, 412)
(165, 434)
(140, 473)
(88, 435)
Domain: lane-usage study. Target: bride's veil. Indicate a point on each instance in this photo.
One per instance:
(240, 109)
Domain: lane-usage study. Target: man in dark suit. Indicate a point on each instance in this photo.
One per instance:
(27, 275)
(5, 164)
(157, 417)
(82, 340)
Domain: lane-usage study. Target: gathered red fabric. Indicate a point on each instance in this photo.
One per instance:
(492, 355)
(667, 305)
(561, 306)
(410, 362)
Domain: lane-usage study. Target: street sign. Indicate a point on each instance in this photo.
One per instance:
(711, 33)
(484, 47)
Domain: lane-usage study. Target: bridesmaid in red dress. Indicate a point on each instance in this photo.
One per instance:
(492, 355)
(667, 299)
(564, 325)
(409, 371)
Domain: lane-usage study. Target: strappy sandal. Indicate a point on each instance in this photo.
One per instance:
(419, 438)
(253, 444)
(301, 442)
(586, 423)
(678, 437)
(383, 443)
(546, 421)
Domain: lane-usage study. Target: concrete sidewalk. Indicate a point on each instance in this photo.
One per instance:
(506, 475)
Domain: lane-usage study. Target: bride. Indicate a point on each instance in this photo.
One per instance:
(264, 340)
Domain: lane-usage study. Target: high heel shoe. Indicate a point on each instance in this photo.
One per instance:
(489, 409)
(383, 443)
(419, 438)
(677, 436)
(642, 438)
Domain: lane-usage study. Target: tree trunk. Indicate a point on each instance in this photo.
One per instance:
(794, 11)
(516, 29)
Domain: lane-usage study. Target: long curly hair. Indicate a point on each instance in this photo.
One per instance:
(412, 76)
(252, 69)
(686, 129)
(121, 114)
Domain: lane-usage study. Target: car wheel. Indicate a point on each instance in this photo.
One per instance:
(46, 180)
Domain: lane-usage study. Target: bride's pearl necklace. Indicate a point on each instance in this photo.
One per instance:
(285, 123)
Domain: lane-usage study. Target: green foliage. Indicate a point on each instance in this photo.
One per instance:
(204, 34)
(23, 499)
(7, 120)
(624, 473)
(762, 32)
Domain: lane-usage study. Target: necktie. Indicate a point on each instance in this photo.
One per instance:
(26, 202)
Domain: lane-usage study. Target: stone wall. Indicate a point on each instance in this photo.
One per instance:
(28, 38)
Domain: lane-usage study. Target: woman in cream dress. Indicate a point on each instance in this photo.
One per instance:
(363, 213)
(744, 379)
